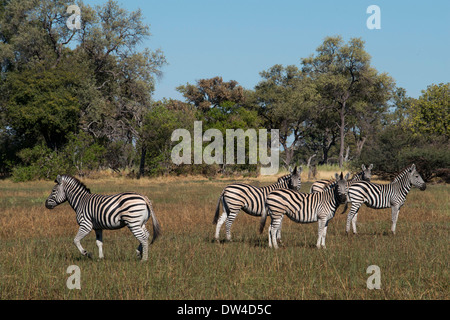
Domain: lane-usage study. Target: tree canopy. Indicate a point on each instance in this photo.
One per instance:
(80, 100)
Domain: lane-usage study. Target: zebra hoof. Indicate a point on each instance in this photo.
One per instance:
(89, 255)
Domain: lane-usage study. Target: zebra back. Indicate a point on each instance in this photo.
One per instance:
(237, 194)
(384, 195)
(306, 207)
(364, 175)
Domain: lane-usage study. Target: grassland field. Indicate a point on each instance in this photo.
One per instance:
(186, 263)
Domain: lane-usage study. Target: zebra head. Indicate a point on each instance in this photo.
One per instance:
(341, 187)
(415, 178)
(292, 180)
(366, 173)
(58, 194)
(295, 179)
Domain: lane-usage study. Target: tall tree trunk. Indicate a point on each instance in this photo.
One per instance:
(359, 146)
(142, 162)
(342, 135)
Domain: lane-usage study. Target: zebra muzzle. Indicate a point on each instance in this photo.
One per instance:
(50, 204)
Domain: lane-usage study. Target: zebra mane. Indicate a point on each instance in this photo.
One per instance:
(403, 173)
(358, 175)
(78, 182)
(284, 178)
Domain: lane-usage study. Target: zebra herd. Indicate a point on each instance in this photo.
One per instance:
(98, 212)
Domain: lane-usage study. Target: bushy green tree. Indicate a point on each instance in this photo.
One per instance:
(430, 114)
(346, 82)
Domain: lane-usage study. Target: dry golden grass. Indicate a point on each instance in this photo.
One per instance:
(186, 263)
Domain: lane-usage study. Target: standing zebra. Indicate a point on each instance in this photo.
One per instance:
(364, 175)
(381, 196)
(250, 199)
(304, 208)
(98, 212)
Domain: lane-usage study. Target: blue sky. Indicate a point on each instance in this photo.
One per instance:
(237, 39)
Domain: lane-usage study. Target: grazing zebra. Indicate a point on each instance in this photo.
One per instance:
(250, 199)
(98, 212)
(364, 175)
(304, 208)
(381, 196)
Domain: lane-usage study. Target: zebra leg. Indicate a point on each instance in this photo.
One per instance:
(229, 222)
(324, 235)
(220, 222)
(141, 233)
(273, 231)
(83, 231)
(353, 212)
(270, 236)
(279, 231)
(395, 211)
(99, 242)
(354, 219)
(321, 227)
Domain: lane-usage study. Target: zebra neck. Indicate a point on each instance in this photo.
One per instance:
(356, 177)
(403, 186)
(278, 185)
(74, 198)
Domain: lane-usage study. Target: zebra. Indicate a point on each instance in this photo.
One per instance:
(381, 196)
(364, 175)
(304, 208)
(99, 212)
(250, 199)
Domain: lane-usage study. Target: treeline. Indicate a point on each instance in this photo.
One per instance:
(80, 101)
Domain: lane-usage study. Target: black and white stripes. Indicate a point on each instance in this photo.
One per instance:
(99, 212)
(250, 199)
(364, 175)
(379, 196)
(304, 208)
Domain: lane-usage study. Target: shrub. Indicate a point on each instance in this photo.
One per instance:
(40, 162)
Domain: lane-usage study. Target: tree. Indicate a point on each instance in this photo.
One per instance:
(42, 106)
(346, 82)
(222, 105)
(211, 93)
(56, 80)
(124, 77)
(156, 131)
(430, 114)
(284, 99)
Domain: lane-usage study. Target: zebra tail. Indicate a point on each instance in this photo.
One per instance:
(262, 222)
(156, 225)
(216, 215)
(345, 208)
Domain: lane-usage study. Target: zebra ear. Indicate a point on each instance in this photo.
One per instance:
(336, 176)
(347, 176)
(371, 166)
(413, 167)
(300, 169)
(58, 179)
(363, 167)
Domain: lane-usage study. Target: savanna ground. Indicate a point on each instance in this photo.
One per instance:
(186, 263)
